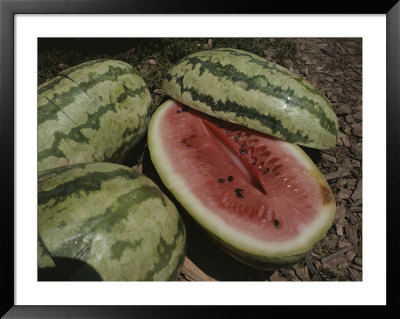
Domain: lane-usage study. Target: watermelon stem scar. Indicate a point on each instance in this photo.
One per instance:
(275, 204)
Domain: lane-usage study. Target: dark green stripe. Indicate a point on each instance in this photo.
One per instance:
(230, 73)
(50, 84)
(243, 111)
(111, 75)
(60, 110)
(53, 150)
(116, 155)
(46, 111)
(181, 233)
(68, 97)
(265, 64)
(52, 172)
(45, 251)
(53, 82)
(81, 186)
(268, 66)
(80, 246)
(93, 122)
(122, 206)
(165, 252)
(118, 248)
(131, 92)
(77, 83)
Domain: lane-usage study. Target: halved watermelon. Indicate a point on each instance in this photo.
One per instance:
(261, 198)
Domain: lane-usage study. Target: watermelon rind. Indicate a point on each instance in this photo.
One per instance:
(93, 112)
(111, 218)
(44, 258)
(252, 251)
(243, 88)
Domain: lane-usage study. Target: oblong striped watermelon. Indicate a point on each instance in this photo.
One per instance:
(92, 112)
(243, 88)
(262, 199)
(111, 218)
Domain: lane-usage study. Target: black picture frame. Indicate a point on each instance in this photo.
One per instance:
(8, 10)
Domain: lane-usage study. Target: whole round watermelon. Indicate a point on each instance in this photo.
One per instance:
(111, 220)
(92, 112)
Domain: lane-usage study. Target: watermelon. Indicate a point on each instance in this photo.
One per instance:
(112, 219)
(44, 258)
(243, 88)
(260, 198)
(92, 112)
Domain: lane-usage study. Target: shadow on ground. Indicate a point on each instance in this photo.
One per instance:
(68, 269)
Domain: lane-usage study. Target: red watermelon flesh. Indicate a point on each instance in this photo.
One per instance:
(256, 194)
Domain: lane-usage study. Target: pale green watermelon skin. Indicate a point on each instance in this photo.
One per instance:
(92, 112)
(112, 218)
(243, 88)
(44, 257)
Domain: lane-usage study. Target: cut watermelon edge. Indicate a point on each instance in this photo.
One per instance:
(255, 252)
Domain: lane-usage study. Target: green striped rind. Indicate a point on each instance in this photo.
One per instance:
(243, 88)
(93, 112)
(112, 218)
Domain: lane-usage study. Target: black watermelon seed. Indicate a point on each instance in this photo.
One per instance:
(184, 140)
(242, 146)
(230, 178)
(227, 131)
(239, 192)
(178, 111)
(253, 163)
(221, 180)
(276, 223)
(237, 137)
(266, 171)
(243, 151)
